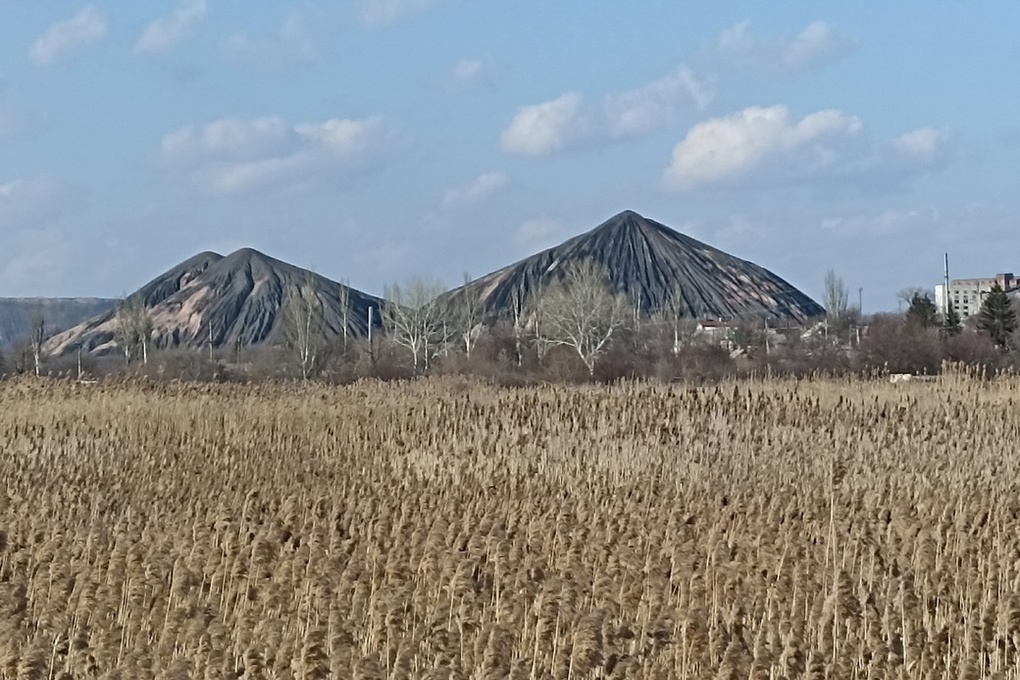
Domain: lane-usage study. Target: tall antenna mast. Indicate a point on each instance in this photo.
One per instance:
(945, 289)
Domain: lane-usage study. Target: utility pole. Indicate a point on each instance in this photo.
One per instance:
(860, 301)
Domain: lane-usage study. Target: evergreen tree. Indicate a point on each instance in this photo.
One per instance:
(998, 317)
(951, 324)
(922, 311)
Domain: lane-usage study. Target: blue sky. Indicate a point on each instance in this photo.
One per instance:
(375, 140)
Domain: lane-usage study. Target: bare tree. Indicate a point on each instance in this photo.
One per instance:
(837, 303)
(143, 328)
(674, 314)
(304, 328)
(906, 296)
(581, 312)
(533, 313)
(837, 299)
(372, 353)
(519, 316)
(134, 328)
(344, 298)
(37, 330)
(466, 313)
(415, 319)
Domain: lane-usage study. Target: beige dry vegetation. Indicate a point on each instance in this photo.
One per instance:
(441, 529)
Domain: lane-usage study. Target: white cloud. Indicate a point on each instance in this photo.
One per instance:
(551, 126)
(300, 37)
(923, 143)
(721, 149)
(475, 191)
(542, 128)
(29, 202)
(342, 136)
(229, 138)
(467, 73)
(816, 44)
(377, 13)
(297, 40)
(468, 70)
(233, 155)
(651, 106)
(826, 149)
(86, 27)
(537, 234)
(165, 32)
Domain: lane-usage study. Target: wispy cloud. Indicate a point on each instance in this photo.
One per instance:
(538, 233)
(769, 144)
(817, 44)
(377, 13)
(233, 155)
(469, 73)
(653, 105)
(475, 191)
(551, 126)
(539, 129)
(883, 223)
(34, 251)
(165, 32)
(86, 27)
(35, 259)
(26, 202)
(741, 229)
(924, 144)
(296, 41)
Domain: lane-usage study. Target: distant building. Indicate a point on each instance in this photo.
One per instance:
(722, 333)
(967, 295)
(714, 330)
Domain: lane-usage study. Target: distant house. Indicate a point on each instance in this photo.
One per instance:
(819, 329)
(715, 331)
(722, 332)
(967, 295)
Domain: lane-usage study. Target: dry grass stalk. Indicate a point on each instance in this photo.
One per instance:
(446, 530)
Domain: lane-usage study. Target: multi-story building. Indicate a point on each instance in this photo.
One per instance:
(967, 295)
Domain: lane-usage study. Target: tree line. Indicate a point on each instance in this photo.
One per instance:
(579, 312)
(577, 328)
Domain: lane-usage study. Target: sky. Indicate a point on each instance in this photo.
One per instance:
(378, 140)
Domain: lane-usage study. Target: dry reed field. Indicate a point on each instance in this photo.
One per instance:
(441, 529)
